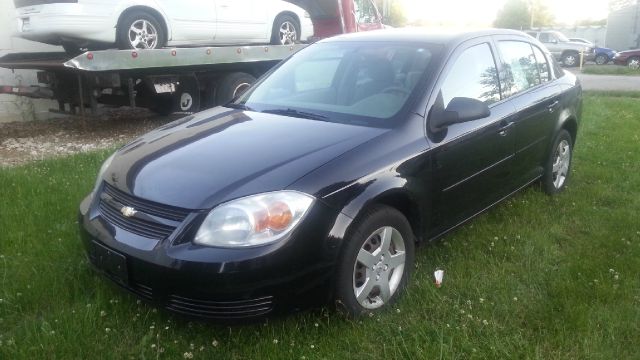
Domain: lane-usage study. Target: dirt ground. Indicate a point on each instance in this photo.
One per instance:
(23, 142)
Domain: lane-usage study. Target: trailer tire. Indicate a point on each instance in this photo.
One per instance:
(285, 31)
(153, 28)
(232, 85)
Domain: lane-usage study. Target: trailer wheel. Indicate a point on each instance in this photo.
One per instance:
(140, 30)
(285, 31)
(231, 86)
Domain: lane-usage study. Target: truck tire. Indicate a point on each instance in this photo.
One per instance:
(232, 85)
(570, 59)
(285, 31)
(139, 29)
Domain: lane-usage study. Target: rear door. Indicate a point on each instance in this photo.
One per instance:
(191, 20)
(471, 161)
(527, 82)
(242, 20)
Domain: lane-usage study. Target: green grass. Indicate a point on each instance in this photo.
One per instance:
(536, 277)
(610, 70)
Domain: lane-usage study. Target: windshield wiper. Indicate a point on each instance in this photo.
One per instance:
(296, 113)
(239, 106)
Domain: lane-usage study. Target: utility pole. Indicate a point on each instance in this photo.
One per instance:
(531, 10)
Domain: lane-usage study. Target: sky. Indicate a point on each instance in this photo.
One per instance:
(483, 12)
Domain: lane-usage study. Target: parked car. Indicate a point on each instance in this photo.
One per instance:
(316, 183)
(630, 58)
(131, 24)
(601, 55)
(564, 50)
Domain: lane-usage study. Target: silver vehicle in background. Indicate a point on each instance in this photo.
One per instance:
(566, 51)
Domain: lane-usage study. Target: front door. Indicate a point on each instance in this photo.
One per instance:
(471, 161)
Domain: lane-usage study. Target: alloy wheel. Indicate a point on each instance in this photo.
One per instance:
(634, 63)
(143, 35)
(288, 33)
(570, 60)
(561, 162)
(379, 267)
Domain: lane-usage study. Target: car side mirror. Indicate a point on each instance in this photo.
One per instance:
(459, 110)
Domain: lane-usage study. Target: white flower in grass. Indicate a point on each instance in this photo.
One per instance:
(313, 346)
(188, 355)
(103, 313)
(485, 322)
(107, 330)
(153, 346)
(275, 341)
(214, 343)
(515, 298)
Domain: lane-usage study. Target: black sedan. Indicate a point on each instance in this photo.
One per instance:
(315, 185)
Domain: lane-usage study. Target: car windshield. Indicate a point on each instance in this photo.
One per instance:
(560, 36)
(365, 83)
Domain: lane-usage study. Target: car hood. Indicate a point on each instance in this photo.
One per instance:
(630, 52)
(221, 154)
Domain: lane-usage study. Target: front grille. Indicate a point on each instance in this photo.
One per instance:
(140, 226)
(221, 309)
(148, 207)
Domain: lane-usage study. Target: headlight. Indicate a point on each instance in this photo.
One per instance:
(103, 168)
(255, 220)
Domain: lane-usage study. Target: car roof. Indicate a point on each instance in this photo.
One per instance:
(424, 35)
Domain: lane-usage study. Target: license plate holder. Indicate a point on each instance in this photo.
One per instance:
(111, 262)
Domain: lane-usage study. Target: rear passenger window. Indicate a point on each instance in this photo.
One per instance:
(543, 65)
(473, 75)
(521, 71)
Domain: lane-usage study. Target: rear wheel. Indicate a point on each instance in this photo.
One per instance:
(558, 166)
(285, 31)
(376, 262)
(140, 30)
(570, 59)
(634, 63)
(602, 59)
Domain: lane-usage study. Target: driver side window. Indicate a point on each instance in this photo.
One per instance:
(365, 12)
(474, 75)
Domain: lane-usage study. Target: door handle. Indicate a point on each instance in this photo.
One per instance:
(552, 107)
(505, 129)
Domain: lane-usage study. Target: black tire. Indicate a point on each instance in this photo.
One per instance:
(570, 59)
(122, 31)
(601, 59)
(231, 86)
(348, 266)
(163, 104)
(550, 182)
(280, 21)
(634, 62)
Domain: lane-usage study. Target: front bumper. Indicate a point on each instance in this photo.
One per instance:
(210, 282)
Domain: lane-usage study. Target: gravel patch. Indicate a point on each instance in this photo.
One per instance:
(24, 142)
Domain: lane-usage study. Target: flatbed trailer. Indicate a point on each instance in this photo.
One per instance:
(166, 80)
(163, 80)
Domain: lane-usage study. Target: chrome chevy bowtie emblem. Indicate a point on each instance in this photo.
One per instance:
(128, 211)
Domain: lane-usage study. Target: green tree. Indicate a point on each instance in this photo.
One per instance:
(517, 14)
(513, 15)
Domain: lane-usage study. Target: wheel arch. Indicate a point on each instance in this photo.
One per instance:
(571, 125)
(157, 14)
(289, 13)
(391, 195)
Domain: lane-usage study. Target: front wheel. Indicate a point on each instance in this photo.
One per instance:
(376, 262)
(602, 59)
(285, 31)
(558, 166)
(634, 63)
